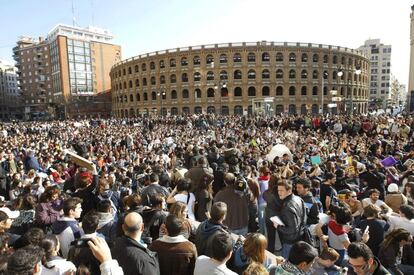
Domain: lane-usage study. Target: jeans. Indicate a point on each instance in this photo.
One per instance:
(242, 231)
(342, 256)
(286, 249)
(406, 269)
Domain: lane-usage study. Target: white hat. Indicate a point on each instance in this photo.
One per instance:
(9, 213)
(392, 188)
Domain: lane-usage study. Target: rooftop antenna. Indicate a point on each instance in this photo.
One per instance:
(73, 14)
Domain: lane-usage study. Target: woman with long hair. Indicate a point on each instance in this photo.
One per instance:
(182, 194)
(409, 192)
(180, 210)
(52, 263)
(396, 254)
(49, 207)
(26, 205)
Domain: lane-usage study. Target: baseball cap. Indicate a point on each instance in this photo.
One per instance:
(9, 213)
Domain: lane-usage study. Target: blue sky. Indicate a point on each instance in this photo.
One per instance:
(146, 26)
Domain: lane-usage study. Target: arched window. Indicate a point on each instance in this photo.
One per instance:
(303, 110)
(265, 57)
(125, 85)
(129, 70)
(304, 58)
(292, 109)
(265, 91)
(173, 78)
(279, 57)
(186, 110)
(304, 74)
(210, 75)
(223, 75)
(144, 81)
(123, 71)
(279, 74)
(237, 58)
(131, 98)
(225, 110)
(174, 111)
(279, 91)
(145, 96)
(136, 68)
(315, 109)
(209, 59)
(197, 93)
(143, 67)
(315, 74)
(251, 91)
(335, 59)
(223, 59)
(198, 110)
(325, 59)
(153, 96)
(224, 92)
(315, 58)
(136, 82)
(292, 91)
(184, 61)
(251, 74)
(304, 91)
(152, 66)
(292, 57)
(153, 80)
(162, 64)
(184, 77)
(130, 84)
(211, 110)
(315, 90)
(162, 79)
(210, 92)
(197, 76)
(237, 74)
(343, 60)
(251, 57)
(138, 97)
(292, 74)
(238, 110)
(173, 94)
(237, 91)
(265, 74)
(196, 60)
(172, 63)
(325, 74)
(279, 109)
(186, 93)
(334, 75)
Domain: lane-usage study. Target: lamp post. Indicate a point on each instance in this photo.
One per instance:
(220, 85)
(161, 94)
(351, 101)
(323, 92)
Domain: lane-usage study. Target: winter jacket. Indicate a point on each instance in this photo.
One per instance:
(312, 208)
(293, 215)
(204, 236)
(67, 230)
(388, 257)
(134, 258)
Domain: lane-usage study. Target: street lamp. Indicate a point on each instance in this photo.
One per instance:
(220, 85)
(162, 95)
(323, 87)
(357, 72)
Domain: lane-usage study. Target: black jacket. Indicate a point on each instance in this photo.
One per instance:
(380, 270)
(293, 215)
(134, 258)
(388, 257)
(312, 208)
(204, 236)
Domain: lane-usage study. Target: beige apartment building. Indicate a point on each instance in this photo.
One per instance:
(76, 63)
(242, 78)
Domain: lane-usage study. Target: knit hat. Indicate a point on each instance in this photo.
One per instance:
(393, 188)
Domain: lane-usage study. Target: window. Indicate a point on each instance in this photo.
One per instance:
(224, 92)
(315, 74)
(223, 59)
(172, 63)
(304, 58)
(173, 78)
(251, 57)
(152, 66)
(153, 96)
(265, 91)
(144, 81)
(197, 93)
(292, 57)
(343, 60)
(279, 74)
(279, 57)
(173, 94)
(130, 84)
(210, 92)
(237, 58)
(162, 64)
(138, 97)
(143, 67)
(315, 58)
(279, 91)
(237, 74)
(197, 76)
(223, 75)
(265, 74)
(210, 75)
(185, 93)
(325, 59)
(196, 60)
(304, 91)
(292, 91)
(131, 98)
(153, 82)
(162, 79)
(184, 77)
(265, 57)
(292, 74)
(251, 91)
(136, 82)
(184, 61)
(292, 109)
(129, 68)
(145, 96)
(304, 74)
(136, 68)
(251, 74)
(237, 91)
(335, 59)
(209, 59)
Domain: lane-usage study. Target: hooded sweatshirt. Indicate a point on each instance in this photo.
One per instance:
(204, 236)
(67, 230)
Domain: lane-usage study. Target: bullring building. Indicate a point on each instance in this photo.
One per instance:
(242, 78)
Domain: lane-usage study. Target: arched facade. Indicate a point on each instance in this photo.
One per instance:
(228, 78)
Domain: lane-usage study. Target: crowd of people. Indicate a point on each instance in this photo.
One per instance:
(206, 194)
